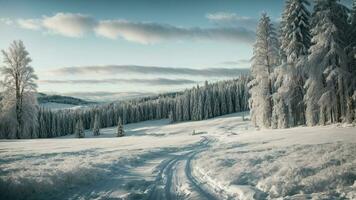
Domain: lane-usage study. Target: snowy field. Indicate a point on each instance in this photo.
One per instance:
(224, 159)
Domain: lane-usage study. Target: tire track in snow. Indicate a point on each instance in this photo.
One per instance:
(193, 180)
(163, 187)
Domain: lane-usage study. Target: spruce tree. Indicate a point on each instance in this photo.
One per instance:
(265, 59)
(295, 42)
(96, 126)
(351, 48)
(79, 129)
(326, 94)
(120, 129)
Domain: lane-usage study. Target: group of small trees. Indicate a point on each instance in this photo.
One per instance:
(307, 74)
(79, 128)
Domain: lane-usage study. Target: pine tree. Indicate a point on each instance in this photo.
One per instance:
(120, 129)
(79, 129)
(351, 53)
(295, 42)
(170, 117)
(327, 83)
(208, 113)
(96, 126)
(352, 23)
(42, 126)
(265, 58)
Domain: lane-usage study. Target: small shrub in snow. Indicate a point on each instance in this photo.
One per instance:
(120, 129)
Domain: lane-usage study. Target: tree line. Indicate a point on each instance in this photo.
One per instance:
(305, 73)
(211, 100)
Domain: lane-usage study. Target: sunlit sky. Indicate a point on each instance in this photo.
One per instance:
(100, 49)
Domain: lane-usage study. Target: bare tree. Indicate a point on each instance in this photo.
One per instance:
(19, 102)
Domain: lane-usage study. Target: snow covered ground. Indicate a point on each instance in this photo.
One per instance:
(224, 159)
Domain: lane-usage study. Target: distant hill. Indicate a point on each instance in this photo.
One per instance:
(44, 98)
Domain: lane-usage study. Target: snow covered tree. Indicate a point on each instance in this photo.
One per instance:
(265, 59)
(295, 30)
(120, 129)
(351, 48)
(351, 52)
(19, 103)
(327, 82)
(208, 110)
(170, 117)
(79, 129)
(295, 42)
(96, 128)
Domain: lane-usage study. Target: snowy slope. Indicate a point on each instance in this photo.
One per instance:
(298, 163)
(224, 159)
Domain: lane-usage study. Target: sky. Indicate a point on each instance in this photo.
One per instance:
(113, 49)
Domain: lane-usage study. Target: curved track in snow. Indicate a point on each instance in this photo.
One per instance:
(172, 178)
(175, 180)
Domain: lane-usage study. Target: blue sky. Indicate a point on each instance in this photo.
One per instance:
(123, 37)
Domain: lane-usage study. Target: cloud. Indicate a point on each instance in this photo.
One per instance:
(6, 21)
(232, 19)
(77, 25)
(135, 69)
(241, 62)
(68, 24)
(148, 33)
(157, 81)
(32, 24)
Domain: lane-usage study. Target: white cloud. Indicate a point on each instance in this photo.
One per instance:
(232, 19)
(222, 16)
(68, 24)
(6, 21)
(241, 62)
(32, 24)
(148, 33)
(156, 81)
(77, 25)
(153, 70)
